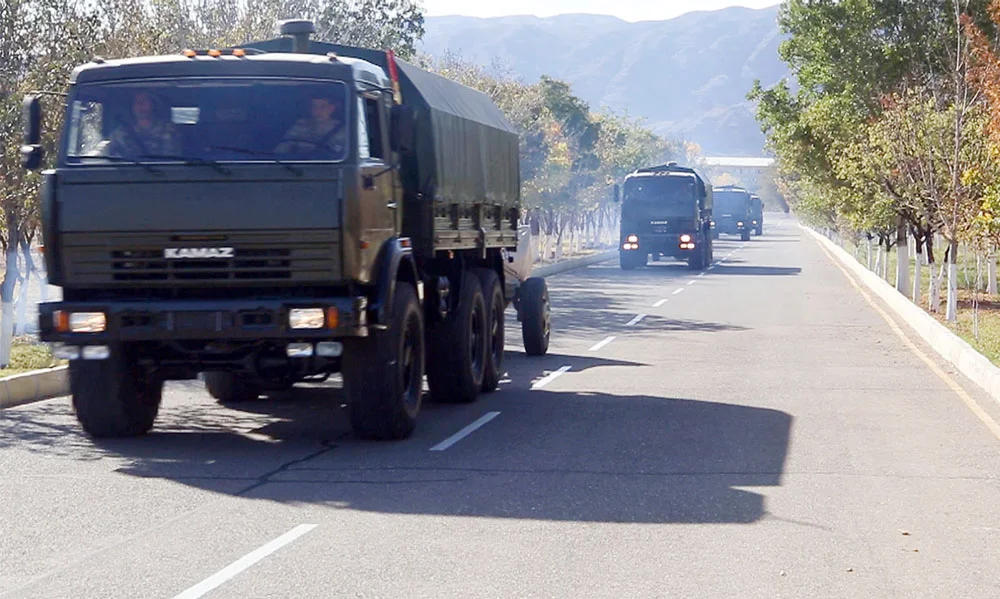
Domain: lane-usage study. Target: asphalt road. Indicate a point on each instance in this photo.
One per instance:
(761, 431)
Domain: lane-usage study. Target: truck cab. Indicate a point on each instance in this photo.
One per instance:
(732, 215)
(666, 211)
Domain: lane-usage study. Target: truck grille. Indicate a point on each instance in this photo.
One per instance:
(150, 265)
(130, 260)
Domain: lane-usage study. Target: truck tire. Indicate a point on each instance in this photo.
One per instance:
(458, 346)
(760, 230)
(384, 372)
(696, 261)
(745, 235)
(495, 307)
(536, 316)
(114, 398)
(631, 260)
(230, 388)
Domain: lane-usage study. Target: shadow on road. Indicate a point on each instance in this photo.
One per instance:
(726, 269)
(553, 456)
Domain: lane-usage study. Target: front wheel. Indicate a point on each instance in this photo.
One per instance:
(114, 397)
(536, 316)
(745, 235)
(229, 388)
(384, 372)
(631, 260)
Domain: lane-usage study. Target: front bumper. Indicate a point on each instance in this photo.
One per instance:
(730, 227)
(668, 244)
(214, 320)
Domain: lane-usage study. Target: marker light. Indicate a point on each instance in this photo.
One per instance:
(240, 52)
(80, 322)
(215, 53)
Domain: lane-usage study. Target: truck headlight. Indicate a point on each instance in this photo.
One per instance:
(306, 318)
(739, 223)
(685, 238)
(80, 322)
(632, 239)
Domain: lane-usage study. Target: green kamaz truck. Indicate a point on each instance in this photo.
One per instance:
(275, 213)
(732, 211)
(666, 211)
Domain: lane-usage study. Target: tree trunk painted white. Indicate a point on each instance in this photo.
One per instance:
(951, 307)
(7, 305)
(902, 262)
(869, 247)
(991, 274)
(915, 291)
(878, 260)
(934, 289)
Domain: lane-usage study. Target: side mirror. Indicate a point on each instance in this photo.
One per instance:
(401, 127)
(617, 194)
(32, 153)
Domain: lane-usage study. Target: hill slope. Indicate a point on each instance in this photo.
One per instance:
(688, 77)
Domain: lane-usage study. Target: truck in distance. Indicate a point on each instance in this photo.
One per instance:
(275, 213)
(666, 211)
(757, 214)
(732, 211)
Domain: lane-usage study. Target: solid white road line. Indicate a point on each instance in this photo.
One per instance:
(602, 343)
(233, 569)
(465, 432)
(659, 303)
(676, 291)
(551, 377)
(635, 320)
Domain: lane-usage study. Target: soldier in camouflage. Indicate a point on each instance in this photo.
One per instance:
(323, 130)
(148, 135)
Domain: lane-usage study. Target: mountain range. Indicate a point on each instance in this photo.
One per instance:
(686, 77)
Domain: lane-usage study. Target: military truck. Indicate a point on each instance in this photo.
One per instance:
(757, 214)
(276, 213)
(732, 211)
(666, 211)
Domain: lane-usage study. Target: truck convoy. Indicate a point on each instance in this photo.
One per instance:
(732, 211)
(666, 211)
(275, 213)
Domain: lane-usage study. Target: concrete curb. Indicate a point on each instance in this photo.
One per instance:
(34, 386)
(952, 348)
(560, 267)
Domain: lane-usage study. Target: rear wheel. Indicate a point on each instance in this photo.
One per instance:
(228, 387)
(536, 316)
(760, 230)
(114, 397)
(458, 347)
(384, 372)
(495, 307)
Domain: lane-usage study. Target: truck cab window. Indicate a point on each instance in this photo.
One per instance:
(369, 107)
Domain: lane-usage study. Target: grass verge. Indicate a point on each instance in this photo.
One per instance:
(28, 354)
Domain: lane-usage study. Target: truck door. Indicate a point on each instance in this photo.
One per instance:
(379, 212)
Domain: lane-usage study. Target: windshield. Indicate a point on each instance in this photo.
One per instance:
(665, 196)
(730, 202)
(208, 119)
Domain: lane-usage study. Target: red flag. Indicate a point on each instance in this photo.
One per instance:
(394, 76)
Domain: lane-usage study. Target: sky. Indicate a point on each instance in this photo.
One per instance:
(629, 10)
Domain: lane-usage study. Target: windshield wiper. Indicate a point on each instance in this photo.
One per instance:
(144, 165)
(190, 160)
(268, 155)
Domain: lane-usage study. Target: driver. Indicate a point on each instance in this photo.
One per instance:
(147, 135)
(324, 129)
